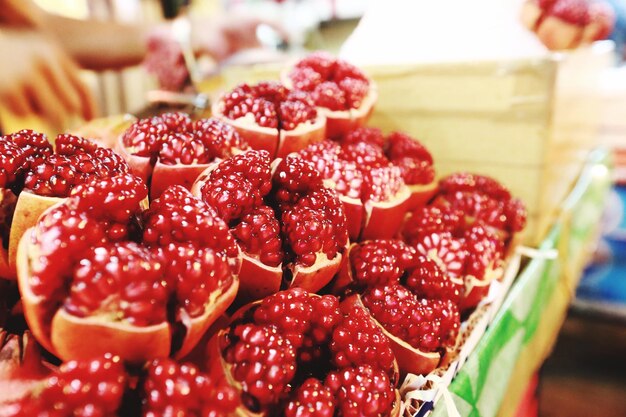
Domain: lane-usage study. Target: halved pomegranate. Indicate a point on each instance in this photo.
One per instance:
(271, 117)
(341, 91)
(291, 229)
(408, 295)
(171, 149)
(294, 349)
(35, 175)
(97, 274)
(378, 178)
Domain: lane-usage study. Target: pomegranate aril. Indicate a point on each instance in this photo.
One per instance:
(361, 391)
(177, 122)
(357, 340)
(516, 214)
(370, 135)
(12, 160)
(379, 262)
(231, 195)
(35, 146)
(381, 183)
(78, 388)
(445, 250)
(178, 216)
(68, 144)
(236, 97)
(308, 232)
(345, 70)
(220, 139)
(264, 112)
(354, 90)
(293, 113)
(272, 91)
(466, 182)
(253, 165)
(120, 280)
(432, 219)
(484, 251)
(427, 280)
(262, 360)
(311, 399)
(365, 155)
(258, 233)
(183, 148)
(304, 78)
(171, 388)
(400, 145)
(415, 171)
(321, 62)
(144, 137)
(328, 94)
(295, 175)
(55, 177)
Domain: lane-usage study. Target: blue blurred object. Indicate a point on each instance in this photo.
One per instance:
(603, 286)
(619, 33)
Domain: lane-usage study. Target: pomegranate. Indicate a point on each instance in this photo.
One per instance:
(378, 179)
(102, 386)
(291, 229)
(99, 274)
(35, 175)
(467, 230)
(408, 295)
(271, 117)
(296, 353)
(566, 24)
(171, 149)
(341, 91)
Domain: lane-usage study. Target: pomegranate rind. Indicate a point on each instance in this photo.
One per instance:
(257, 280)
(410, 359)
(27, 211)
(340, 122)
(218, 303)
(345, 275)
(164, 176)
(315, 277)
(421, 194)
(84, 338)
(139, 165)
(299, 138)
(257, 137)
(383, 219)
(355, 215)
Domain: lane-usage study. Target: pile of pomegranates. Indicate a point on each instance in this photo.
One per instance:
(256, 263)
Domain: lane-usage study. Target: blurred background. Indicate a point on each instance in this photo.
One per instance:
(581, 89)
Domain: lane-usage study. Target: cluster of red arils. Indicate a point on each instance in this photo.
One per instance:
(566, 24)
(140, 260)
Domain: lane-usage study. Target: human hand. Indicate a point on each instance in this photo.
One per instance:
(38, 78)
(223, 35)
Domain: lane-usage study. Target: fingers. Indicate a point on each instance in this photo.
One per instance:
(87, 103)
(17, 102)
(44, 100)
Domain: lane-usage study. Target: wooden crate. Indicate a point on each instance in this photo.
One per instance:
(529, 123)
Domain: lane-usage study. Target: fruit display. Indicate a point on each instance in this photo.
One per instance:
(279, 259)
(271, 117)
(295, 353)
(340, 90)
(290, 227)
(98, 274)
(566, 24)
(378, 178)
(171, 149)
(36, 174)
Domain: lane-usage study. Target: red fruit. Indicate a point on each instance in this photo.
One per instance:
(288, 225)
(427, 280)
(172, 150)
(321, 62)
(342, 92)
(183, 148)
(270, 117)
(466, 182)
(170, 388)
(370, 135)
(78, 388)
(258, 234)
(484, 251)
(516, 214)
(400, 145)
(35, 146)
(345, 70)
(82, 276)
(311, 399)
(415, 172)
(329, 95)
(445, 250)
(432, 219)
(380, 262)
(364, 155)
(305, 78)
(12, 160)
(382, 183)
(361, 391)
(425, 324)
(221, 140)
(357, 340)
(572, 11)
(262, 361)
